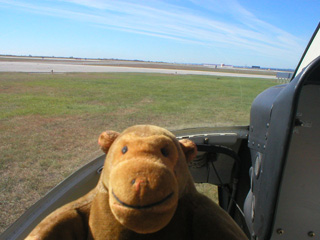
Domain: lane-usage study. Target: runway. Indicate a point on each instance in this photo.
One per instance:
(55, 67)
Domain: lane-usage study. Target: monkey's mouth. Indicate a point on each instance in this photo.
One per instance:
(139, 207)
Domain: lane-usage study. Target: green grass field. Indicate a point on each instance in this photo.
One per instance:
(49, 123)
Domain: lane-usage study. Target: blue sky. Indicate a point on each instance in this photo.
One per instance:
(236, 32)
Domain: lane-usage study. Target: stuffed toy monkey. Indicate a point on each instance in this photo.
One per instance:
(145, 192)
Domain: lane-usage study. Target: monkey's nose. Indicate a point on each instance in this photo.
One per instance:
(139, 182)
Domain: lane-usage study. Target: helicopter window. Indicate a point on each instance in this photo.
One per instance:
(71, 69)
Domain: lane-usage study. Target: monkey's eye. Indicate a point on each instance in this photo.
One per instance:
(164, 152)
(124, 149)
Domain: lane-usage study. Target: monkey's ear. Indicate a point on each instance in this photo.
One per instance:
(189, 148)
(106, 139)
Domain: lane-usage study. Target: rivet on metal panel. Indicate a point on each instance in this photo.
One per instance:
(311, 234)
(298, 123)
(280, 231)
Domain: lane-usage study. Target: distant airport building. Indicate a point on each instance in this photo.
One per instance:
(222, 65)
(210, 65)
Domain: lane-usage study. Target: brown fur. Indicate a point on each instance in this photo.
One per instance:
(145, 192)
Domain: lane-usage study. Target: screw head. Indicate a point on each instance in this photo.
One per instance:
(280, 231)
(311, 234)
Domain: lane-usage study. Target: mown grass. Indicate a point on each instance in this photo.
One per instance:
(209, 98)
(49, 123)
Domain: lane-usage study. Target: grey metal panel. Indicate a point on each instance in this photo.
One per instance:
(298, 210)
(269, 125)
(261, 203)
(261, 111)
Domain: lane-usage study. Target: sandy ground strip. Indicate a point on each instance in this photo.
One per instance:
(36, 67)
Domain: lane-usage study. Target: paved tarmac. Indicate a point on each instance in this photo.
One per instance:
(38, 67)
